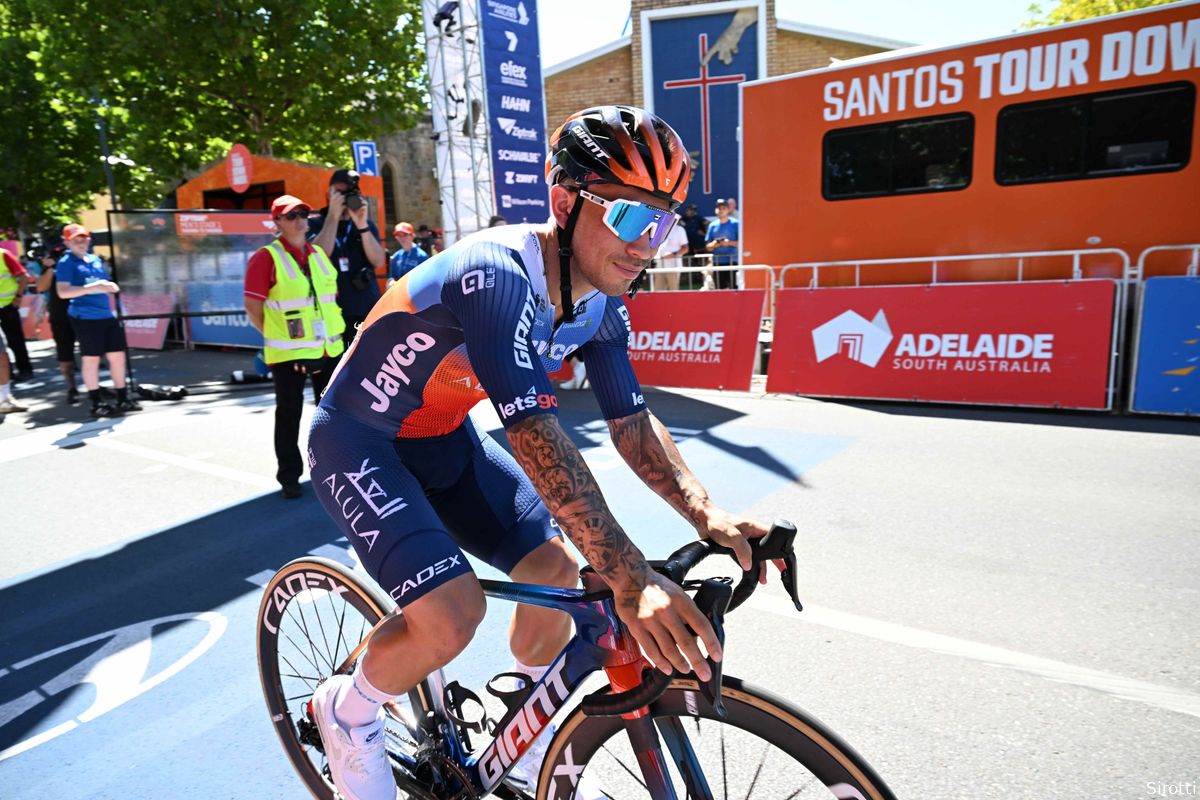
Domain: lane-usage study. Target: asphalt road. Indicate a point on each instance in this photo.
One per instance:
(998, 604)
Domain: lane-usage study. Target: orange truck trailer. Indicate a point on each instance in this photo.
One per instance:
(962, 164)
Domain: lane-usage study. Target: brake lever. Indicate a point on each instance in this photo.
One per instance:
(778, 544)
(713, 600)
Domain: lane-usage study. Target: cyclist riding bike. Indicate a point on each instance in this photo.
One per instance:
(413, 483)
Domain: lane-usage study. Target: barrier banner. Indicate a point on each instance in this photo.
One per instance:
(227, 329)
(148, 334)
(1020, 344)
(1167, 380)
(695, 340)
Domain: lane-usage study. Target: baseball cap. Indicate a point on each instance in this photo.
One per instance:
(403, 227)
(73, 230)
(721, 201)
(285, 203)
(341, 176)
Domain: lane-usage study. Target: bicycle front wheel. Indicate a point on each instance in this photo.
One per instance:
(314, 612)
(763, 748)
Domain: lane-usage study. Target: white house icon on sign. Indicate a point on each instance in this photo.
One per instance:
(853, 336)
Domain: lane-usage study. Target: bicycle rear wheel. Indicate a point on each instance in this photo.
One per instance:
(314, 612)
(764, 748)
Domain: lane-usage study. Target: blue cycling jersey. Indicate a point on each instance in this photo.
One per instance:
(476, 321)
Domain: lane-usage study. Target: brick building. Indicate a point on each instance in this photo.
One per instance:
(614, 73)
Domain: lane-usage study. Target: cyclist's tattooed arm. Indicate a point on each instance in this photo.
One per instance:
(570, 492)
(656, 610)
(650, 451)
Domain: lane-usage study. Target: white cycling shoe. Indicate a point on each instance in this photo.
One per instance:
(357, 759)
(526, 770)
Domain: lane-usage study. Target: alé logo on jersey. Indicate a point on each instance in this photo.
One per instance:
(530, 399)
(391, 372)
(478, 279)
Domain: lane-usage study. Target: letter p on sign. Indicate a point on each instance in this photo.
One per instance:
(366, 160)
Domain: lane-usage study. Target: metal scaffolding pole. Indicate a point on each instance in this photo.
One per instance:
(454, 53)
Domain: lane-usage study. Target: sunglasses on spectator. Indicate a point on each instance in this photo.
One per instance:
(631, 220)
(293, 215)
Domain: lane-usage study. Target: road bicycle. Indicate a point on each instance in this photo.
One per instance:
(643, 734)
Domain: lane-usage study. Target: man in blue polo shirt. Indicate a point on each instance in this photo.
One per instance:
(722, 241)
(83, 279)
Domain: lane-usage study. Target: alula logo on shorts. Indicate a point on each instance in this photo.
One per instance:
(391, 373)
(530, 399)
(371, 493)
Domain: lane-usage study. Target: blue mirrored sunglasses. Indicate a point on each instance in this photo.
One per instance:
(630, 220)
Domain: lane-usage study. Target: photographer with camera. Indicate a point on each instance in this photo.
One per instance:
(722, 240)
(344, 231)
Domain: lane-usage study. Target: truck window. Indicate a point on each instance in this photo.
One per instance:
(929, 154)
(1127, 132)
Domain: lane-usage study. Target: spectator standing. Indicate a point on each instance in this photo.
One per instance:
(14, 280)
(7, 404)
(696, 227)
(734, 214)
(722, 241)
(408, 256)
(60, 322)
(83, 279)
(344, 231)
(671, 255)
(497, 220)
(291, 298)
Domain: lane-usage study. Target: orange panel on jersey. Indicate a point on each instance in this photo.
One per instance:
(451, 392)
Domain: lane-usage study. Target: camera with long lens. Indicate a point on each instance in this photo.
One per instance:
(354, 198)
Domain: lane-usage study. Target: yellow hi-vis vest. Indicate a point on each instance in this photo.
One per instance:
(8, 285)
(291, 306)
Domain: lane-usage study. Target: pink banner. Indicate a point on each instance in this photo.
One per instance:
(697, 340)
(147, 334)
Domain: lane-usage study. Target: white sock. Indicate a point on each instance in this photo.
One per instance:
(535, 673)
(3, 392)
(358, 702)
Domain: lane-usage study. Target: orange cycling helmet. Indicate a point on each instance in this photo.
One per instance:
(623, 145)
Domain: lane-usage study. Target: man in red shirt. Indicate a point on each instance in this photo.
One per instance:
(301, 329)
(14, 276)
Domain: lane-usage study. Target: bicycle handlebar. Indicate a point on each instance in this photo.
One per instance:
(715, 597)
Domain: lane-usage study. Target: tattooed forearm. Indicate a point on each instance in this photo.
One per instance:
(564, 482)
(651, 452)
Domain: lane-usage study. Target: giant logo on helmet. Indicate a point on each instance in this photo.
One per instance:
(586, 139)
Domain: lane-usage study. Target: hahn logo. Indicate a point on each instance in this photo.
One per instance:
(852, 335)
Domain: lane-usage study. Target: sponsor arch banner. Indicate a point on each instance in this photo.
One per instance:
(1020, 344)
(695, 340)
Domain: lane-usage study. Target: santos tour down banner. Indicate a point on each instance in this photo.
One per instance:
(1020, 344)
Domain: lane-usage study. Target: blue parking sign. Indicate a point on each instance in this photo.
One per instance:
(366, 160)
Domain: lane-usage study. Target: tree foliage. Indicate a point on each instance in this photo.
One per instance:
(179, 82)
(1076, 10)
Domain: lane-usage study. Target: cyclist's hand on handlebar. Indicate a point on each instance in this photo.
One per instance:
(734, 531)
(659, 615)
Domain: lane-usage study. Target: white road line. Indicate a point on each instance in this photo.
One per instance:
(1167, 697)
(252, 478)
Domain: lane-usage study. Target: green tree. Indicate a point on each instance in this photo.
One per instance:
(1076, 10)
(178, 82)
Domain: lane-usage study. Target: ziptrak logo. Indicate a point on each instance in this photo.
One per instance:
(510, 126)
(853, 336)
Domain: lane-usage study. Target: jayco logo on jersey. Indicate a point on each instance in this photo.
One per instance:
(510, 126)
(530, 399)
(521, 334)
(436, 568)
(478, 279)
(390, 375)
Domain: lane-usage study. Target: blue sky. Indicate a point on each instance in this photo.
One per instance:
(570, 27)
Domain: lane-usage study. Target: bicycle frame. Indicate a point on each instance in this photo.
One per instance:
(601, 641)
